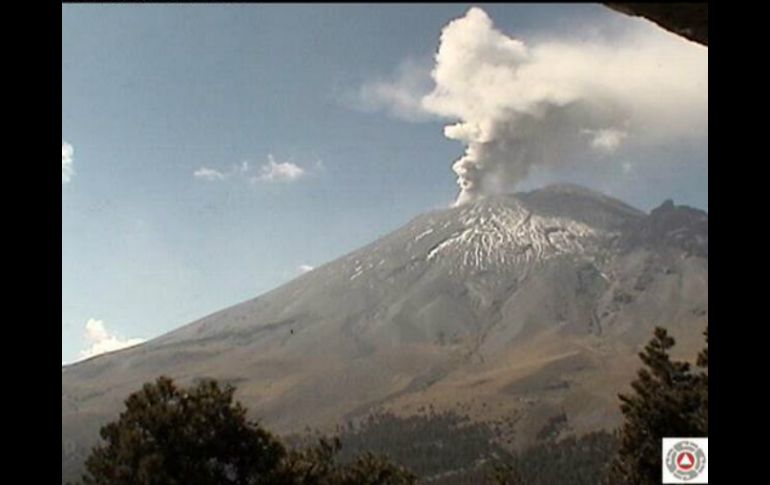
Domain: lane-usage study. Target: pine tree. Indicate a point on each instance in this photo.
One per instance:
(668, 400)
(170, 436)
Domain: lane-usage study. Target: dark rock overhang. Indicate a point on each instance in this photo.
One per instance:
(689, 20)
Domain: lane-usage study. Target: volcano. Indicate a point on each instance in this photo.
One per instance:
(532, 304)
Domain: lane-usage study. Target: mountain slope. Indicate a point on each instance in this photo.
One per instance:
(532, 305)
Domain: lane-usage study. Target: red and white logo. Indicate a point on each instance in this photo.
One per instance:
(685, 460)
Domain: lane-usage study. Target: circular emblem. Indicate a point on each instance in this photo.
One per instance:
(685, 460)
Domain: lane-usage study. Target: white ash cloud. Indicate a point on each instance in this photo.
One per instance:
(607, 140)
(517, 105)
(399, 94)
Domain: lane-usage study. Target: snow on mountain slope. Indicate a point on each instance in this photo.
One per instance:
(496, 236)
(531, 304)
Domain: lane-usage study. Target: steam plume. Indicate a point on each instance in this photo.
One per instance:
(554, 102)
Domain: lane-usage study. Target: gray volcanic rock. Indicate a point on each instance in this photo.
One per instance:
(532, 304)
(671, 226)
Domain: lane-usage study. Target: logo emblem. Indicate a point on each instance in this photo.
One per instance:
(685, 460)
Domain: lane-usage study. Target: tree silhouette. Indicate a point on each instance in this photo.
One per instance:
(169, 436)
(668, 400)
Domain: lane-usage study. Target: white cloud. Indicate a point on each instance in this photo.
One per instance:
(279, 172)
(304, 268)
(210, 174)
(67, 168)
(272, 171)
(101, 341)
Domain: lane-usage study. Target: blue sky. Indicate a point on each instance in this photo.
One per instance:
(152, 94)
